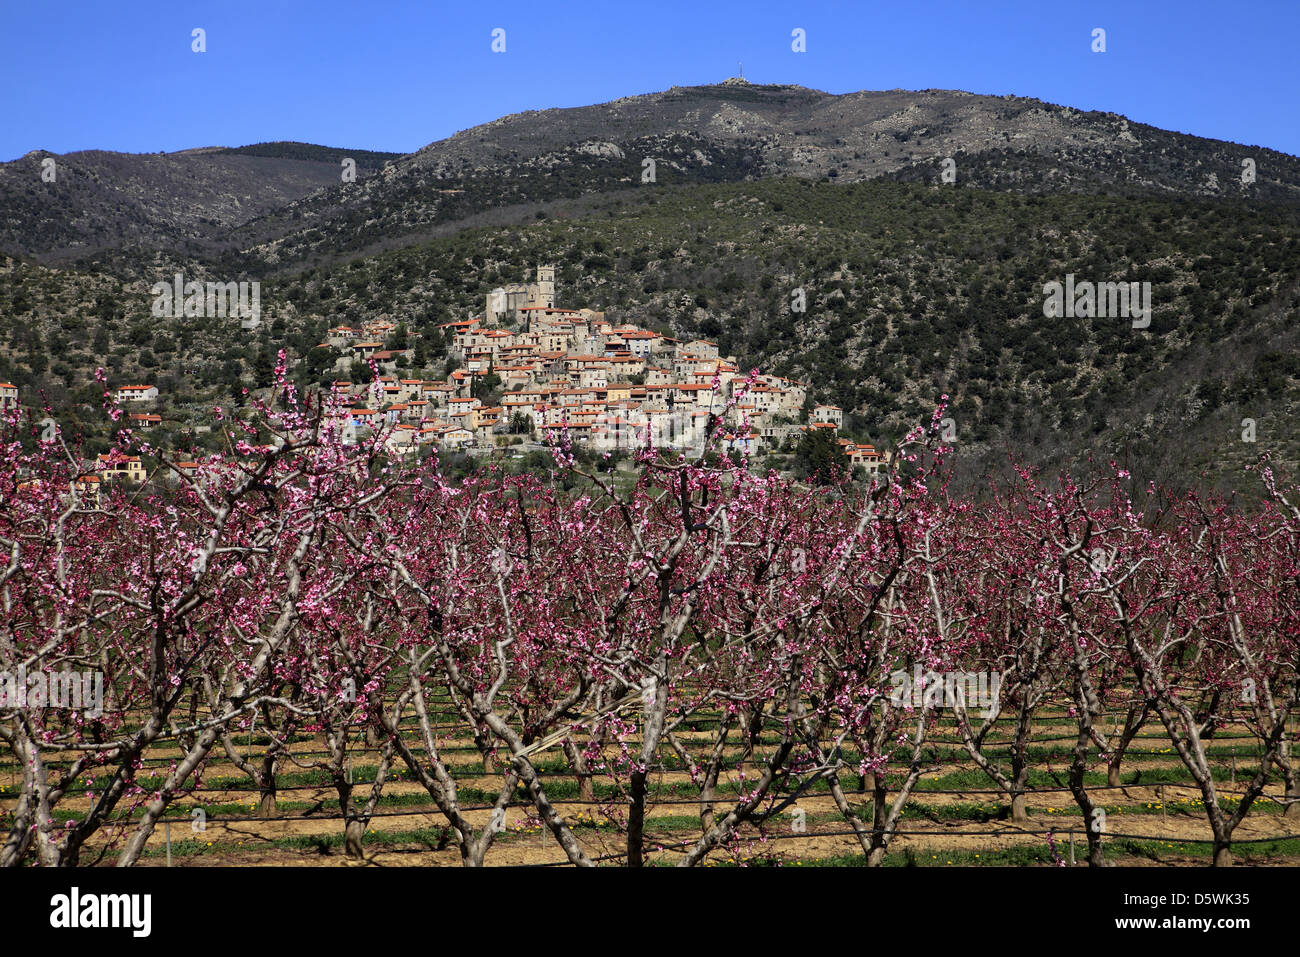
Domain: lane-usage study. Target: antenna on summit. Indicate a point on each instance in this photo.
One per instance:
(742, 69)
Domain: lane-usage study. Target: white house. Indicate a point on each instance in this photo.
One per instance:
(828, 413)
(455, 437)
(137, 393)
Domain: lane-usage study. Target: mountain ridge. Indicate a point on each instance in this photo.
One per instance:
(259, 195)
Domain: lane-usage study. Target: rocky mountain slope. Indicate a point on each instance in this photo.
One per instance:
(185, 202)
(284, 205)
(512, 168)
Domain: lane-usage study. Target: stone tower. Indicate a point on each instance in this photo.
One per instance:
(545, 286)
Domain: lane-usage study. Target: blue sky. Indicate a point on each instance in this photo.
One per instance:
(88, 74)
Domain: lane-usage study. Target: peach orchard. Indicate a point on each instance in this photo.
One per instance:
(310, 586)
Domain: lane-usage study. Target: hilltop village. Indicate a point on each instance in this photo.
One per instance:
(528, 366)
